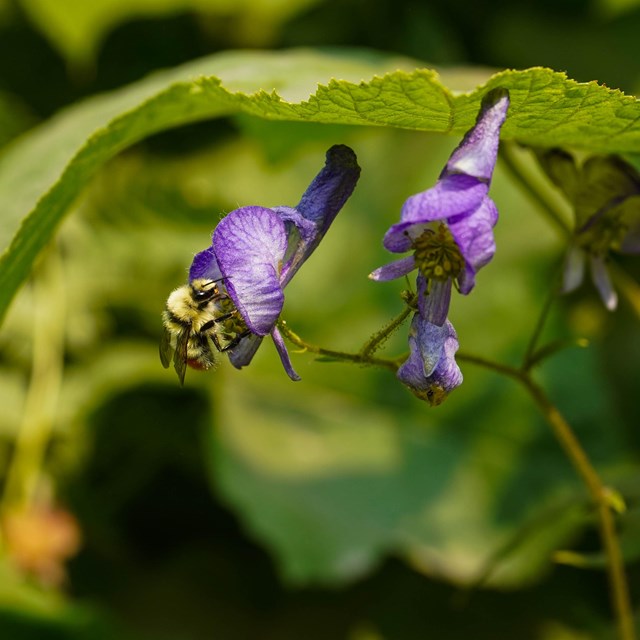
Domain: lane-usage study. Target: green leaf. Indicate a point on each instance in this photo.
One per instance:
(330, 485)
(42, 175)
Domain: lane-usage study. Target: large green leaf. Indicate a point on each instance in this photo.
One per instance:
(331, 485)
(41, 176)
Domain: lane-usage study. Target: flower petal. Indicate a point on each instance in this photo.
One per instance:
(474, 236)
(434, 306)
(250, 244)
(452, 196)
(331, 188)
(242, 354)
(284, 354)
(311, 218)
(394, 270)
(601, 279)
(431, 371)
(477, 153)
(573, 271)
(302, 235)
(205, 265)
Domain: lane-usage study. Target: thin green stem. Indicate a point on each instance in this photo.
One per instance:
(521, 176)
(379, 337)
(531, 356)
(25, 469)
(598, 491)
(551, 349)
(342, 356)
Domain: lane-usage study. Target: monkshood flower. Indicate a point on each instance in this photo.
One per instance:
(431, 371)
(257, 250)
(449, 228)
(605, 195)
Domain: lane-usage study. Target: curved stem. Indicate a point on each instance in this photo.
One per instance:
(378, 338)
(598, 492)
(359, 358)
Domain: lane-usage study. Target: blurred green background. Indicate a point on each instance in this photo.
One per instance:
(246, 506)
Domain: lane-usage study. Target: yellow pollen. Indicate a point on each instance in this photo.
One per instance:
(437, 255)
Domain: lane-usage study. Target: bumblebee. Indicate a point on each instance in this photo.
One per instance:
(199, 321)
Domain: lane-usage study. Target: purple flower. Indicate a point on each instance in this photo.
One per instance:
(449, 231)
(449, 228)
(257, 250)
(605, 195)
(431, 371)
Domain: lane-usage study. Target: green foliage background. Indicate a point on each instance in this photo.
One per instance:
(340, 507)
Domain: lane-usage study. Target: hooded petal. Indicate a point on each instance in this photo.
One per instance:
(302, 235)
(474, 236)
(205, 265)
(431, 371)
(331, 188)
(452, 196)
(477, 153)
(394, 270)
(250, 244)
(601, 279)
(311, 218)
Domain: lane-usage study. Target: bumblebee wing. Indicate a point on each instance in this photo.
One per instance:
(180, 356)
(166, 350)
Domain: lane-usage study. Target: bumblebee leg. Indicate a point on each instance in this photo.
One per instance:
(236, 340)
(224, 317)
(215, 340)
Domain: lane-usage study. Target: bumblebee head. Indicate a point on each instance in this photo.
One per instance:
(203, 290)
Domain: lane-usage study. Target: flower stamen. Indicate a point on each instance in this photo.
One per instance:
(437, 255)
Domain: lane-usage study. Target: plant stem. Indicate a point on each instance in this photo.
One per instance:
(523, 179)
(599, 496)
(359, 358)
(530, 355)
(25, 469)
(378, 338)
(598, 492)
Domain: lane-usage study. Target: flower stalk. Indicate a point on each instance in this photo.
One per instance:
(24, 474)
(599, 493)
(341, 356)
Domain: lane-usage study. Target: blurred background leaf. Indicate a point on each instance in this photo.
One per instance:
(78, 28)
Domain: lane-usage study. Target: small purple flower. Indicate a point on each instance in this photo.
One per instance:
(257, 250)
(449, 228)
(605, 195)
(431, 371)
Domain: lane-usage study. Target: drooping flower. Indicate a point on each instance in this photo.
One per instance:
(605, 195)
(449, 228)
(257, 250)
(431, 371)
(449, 231)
